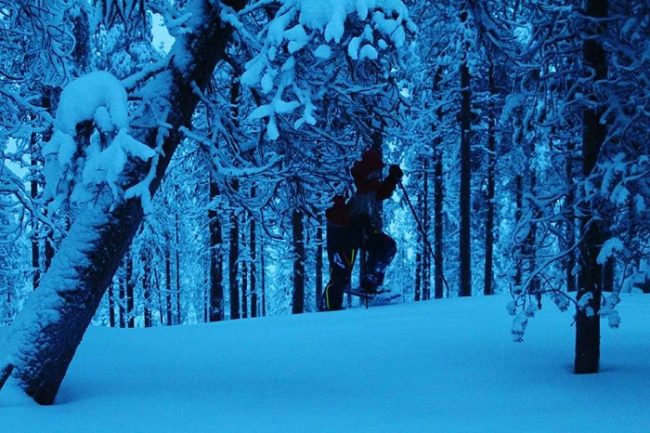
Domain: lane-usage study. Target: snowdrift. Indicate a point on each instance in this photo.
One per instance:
(440, 366)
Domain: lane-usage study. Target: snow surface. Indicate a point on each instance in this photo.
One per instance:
(440, 366)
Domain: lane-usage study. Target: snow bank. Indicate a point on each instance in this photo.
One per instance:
(73, 172)
(439, 366)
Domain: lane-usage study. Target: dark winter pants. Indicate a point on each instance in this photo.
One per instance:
(342, 248)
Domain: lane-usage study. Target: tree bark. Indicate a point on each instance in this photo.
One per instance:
(177, 261)
(169, 308)
(465, 252)
(88, 257)
(216, 302)
(298, 301)
(319, 264)
(252, 243)
(233, 261)
(488, 274)
(129, 285)
(244, 273)
(438, 201)
(111, 305)
(426, 246)
(146, 288)
(590, 274)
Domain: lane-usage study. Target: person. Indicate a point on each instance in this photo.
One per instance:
(357, 225)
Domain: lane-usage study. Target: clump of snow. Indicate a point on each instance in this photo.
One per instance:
(73, 172)
(82, 98)
(607, 250)
(323, 52)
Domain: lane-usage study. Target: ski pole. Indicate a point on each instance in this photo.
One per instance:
(417, 220)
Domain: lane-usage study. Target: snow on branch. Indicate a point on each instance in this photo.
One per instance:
(78, 163)
(306, 33)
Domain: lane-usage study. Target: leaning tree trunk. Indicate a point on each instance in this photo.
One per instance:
(590, 274)
(47, 333)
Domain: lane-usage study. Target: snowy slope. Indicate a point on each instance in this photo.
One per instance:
(441, 366)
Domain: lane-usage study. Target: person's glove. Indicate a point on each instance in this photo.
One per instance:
(395, 174)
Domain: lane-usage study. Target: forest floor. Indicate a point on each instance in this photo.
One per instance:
(441, 366)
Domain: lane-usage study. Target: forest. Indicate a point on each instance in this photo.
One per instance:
(171, 162)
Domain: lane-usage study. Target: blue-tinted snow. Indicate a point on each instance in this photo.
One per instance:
(441, 366)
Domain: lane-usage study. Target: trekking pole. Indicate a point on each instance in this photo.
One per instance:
(417, 220)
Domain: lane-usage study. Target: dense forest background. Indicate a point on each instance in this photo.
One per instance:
(522, 127)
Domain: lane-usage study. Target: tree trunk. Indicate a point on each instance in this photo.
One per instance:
(121, 301)
(465, 252)
(438, 201)
(488, 281)
(169, 308)
(319, 264)
(129, 285)
(590, 274)
(233, 261)
(263, 275)
(252, 243)
(244, 274)
(36, 254)
(111, 305)
(426, 246)
(146, 288)
(88, 257)
(177, 257)
(418, 276)
(298, 301)
(216, 304)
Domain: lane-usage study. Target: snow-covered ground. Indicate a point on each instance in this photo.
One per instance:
(441, 366)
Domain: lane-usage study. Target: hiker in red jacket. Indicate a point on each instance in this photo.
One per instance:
(357, 225)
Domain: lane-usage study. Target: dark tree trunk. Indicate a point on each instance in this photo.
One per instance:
(169, 308)
(590, 274)
(609, 274)
(438, 201)
(244, 274)
(129, 284)
(426, 245)
(488, 281)
(418, 276)
(319, 264)
(298, 301)
(465, 115)
(252, 244)
(177, 257)
(111, 305)
(263, 275)
(146, 287)
(36, 252)
(216, 303)
(233, 261)
(121, 301)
